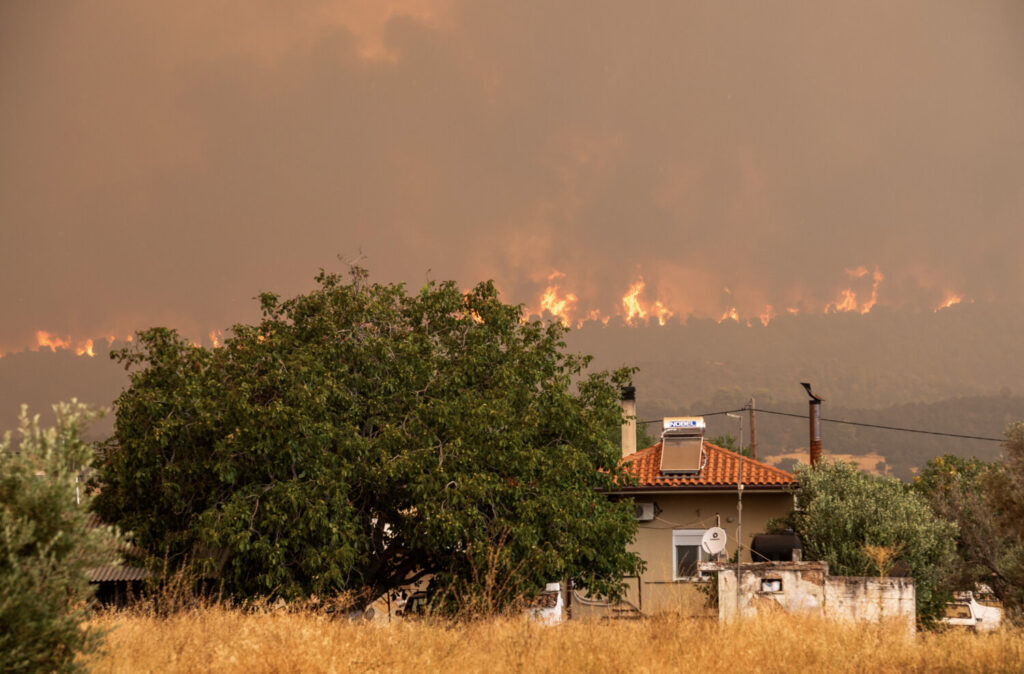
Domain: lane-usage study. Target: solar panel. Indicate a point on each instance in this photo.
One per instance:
(681, 454)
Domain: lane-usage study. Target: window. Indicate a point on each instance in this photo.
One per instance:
(687, 553)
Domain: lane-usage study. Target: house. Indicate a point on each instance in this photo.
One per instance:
(685, 486)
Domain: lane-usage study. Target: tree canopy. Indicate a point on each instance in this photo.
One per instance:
(361, 436)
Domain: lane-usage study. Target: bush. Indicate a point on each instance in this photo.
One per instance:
(45, 549)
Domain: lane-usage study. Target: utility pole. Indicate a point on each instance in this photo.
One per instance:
(739, 537)
(753, 431)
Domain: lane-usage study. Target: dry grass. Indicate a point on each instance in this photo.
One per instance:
(221, 639)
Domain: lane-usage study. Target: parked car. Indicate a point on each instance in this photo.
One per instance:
(965, 612)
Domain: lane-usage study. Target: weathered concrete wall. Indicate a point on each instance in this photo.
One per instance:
(806, 587)
(865, 598)
(801, 589)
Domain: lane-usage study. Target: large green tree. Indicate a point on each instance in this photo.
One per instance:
(841, 511)
(361, 436)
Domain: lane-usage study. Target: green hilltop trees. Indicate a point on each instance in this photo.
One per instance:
(361, 436)
(46, 550)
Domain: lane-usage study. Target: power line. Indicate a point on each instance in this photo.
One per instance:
(706, 414)
(851, 423)
(887, 428)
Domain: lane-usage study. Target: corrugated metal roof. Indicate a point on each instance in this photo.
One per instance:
(111, 573)
(113, 570)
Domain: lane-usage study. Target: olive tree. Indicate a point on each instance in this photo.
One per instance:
(46, 550)
(360, 437)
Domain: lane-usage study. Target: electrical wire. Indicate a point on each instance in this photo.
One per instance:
(887, 428)
(848, 423)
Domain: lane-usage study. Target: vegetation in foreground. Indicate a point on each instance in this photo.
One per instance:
(224, 640)
(46, 549)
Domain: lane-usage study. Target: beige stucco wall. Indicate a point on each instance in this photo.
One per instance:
(656, 591)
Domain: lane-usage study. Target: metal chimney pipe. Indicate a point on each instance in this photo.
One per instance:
(814, 415)
(628, 420)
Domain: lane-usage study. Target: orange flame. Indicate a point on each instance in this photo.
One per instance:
(637, 310)
(85, 349)
(876, 280)
(52, 342)
(793, 311)
(951, 299)
(215, 336)
(730, 314)
(661, 312)
(631, 303)
(559, 307)
(847, 300)
(767, 315)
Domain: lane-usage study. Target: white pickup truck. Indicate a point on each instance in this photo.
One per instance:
(965, 611)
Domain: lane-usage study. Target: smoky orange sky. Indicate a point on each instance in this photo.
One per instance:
(162, 163)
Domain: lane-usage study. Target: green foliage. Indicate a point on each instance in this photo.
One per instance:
(360, 437)
(841, 510)
(988, 502)
(954, 487)
(45, 549)
(644, 437)
(1002, 550)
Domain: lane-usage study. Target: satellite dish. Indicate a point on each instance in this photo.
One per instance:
(713, 540)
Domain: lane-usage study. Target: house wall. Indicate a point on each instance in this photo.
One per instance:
(656, 591)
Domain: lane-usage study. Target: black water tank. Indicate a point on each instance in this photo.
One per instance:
(775, 547)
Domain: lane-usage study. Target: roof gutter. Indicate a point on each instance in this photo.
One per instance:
(684, 489)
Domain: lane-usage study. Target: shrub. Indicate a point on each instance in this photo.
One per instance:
(45, 549)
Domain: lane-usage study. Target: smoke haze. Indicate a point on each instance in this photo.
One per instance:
(164, 164)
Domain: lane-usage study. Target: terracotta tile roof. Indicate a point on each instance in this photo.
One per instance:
(719, 471)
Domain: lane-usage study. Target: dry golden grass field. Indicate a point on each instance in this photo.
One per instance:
(224, 640)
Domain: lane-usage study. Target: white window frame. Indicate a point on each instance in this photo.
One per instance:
(687, 538)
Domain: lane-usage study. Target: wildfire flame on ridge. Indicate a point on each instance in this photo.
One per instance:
(847, 300)
(631, 303)
(951, 299)
(730, 314)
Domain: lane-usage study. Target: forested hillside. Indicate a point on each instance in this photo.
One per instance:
(958, 370)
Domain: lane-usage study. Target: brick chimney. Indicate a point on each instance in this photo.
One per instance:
(628, 421)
